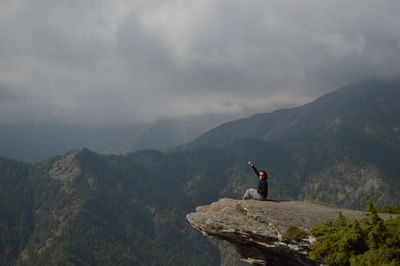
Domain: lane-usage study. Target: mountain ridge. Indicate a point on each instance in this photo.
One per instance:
(268, 126)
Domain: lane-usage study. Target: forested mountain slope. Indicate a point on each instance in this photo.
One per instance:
(88, 209)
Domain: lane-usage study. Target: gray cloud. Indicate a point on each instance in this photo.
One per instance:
(126, 61)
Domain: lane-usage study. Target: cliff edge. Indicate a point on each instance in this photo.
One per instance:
(257, 228)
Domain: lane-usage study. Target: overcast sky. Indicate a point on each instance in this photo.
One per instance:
(127, 61)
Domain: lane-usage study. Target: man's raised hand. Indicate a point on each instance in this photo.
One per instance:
(250, 163)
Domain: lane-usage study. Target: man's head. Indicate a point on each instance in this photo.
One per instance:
(262, 175)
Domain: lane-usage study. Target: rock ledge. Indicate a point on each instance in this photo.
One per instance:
(256, 227)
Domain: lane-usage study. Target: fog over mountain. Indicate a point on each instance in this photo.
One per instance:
(39, 141)
(129, 61)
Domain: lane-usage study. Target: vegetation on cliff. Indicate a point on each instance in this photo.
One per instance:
(369, 241)
(393, 209)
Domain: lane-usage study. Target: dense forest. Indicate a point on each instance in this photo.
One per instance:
(89, 209)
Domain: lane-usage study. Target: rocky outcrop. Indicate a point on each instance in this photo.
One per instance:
(66, 168)
(257, 228)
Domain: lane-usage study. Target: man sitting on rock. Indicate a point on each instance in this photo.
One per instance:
(262, 190)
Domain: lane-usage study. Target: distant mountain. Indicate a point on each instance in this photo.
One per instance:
(372, 107)
(168, 133)
(36, 142)
(90, 209)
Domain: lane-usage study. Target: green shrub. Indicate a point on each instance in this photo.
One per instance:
(295, 233)
(395, 209)
(370, 241)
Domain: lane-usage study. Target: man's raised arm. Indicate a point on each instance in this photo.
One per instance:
(254, 168)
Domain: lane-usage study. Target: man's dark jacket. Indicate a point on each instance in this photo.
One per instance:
(262, 188)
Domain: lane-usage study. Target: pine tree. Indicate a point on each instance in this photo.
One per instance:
(370, 241)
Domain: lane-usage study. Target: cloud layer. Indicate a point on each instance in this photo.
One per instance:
(127, 61)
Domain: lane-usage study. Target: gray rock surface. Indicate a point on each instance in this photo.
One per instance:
(256, 228)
